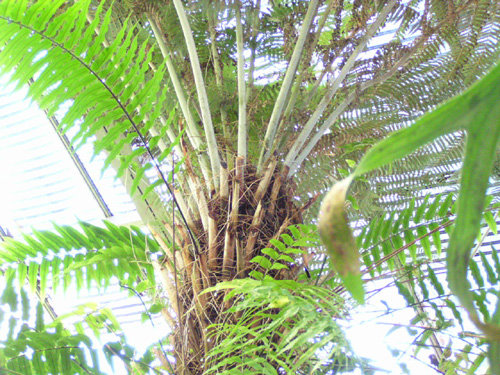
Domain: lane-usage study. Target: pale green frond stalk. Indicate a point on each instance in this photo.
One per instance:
(315, 88)
(330, 121)
(313, 120)
(298, 83)
(272, 127)
(200, 88)
(255, 31)
(192, 130)
(242, 96)
(340, 109)
(219, 79)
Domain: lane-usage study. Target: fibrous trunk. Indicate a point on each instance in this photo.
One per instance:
(239, 225)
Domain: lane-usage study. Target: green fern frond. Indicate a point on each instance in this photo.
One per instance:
(102, 90)
(424, 288)
(111, 251)
(49, 348)
(462, 41)
(288, 321)
(416, 231)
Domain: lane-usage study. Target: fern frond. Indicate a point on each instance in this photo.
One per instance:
(462, 41)
(386, 237)
(115, 251)
(406, 245)
(42, 348)
(289, 321)
(99, 88)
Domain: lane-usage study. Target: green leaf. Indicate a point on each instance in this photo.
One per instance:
(33, 275)
(155, 308)
(44, 273)
(410, 238)
(278, 244)
(424, 241)
(351, 163)
(419, 214)
(492, 277)
(139, 177)
(25, 304)
(151, 187)
(431, 211)
(454, 310)
(408, 213)
(386, 226)
(256, 275)
(286, 258)
(39, 322)
(262, 261)
(475, 365)
(496, 259)
(423, 287)
(375, 252)
(295, 231)
(287, 239)
(22, 271)
(278, 266)
(436, 238)
(368, 263)
(143, 285)
(445, 207)
(480, 300)
(435, 281)
(9, 295)
(273, 254)
(490, 220)
(476, 273)
(403, 291)
(387, 249)
(280, 302)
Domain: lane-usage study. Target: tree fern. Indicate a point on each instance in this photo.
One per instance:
(316, 82)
